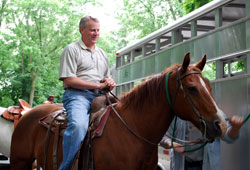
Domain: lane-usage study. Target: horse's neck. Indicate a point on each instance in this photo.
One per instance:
(146, 108)
(150, 120)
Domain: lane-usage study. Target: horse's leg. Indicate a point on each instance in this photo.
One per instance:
(30, 167)
(20, 165)
(28, 139)
(21, 156)
(152, 160)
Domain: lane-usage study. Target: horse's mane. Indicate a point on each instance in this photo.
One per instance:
(151, 89)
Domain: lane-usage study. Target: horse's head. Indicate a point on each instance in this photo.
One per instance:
(192, 99)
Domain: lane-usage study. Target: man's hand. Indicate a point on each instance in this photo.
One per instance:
(236, 123)
(176, 146)
(107, 83)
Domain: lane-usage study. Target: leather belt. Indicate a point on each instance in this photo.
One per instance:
(96, 91)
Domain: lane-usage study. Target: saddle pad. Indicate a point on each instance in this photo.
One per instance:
(98, 121)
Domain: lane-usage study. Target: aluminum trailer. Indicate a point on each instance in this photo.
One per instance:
(219, 29)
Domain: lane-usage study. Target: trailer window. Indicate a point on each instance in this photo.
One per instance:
(234, 67)
(209, 71)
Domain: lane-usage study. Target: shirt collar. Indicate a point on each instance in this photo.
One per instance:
(83, 46)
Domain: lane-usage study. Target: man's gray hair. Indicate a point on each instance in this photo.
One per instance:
(84, 20)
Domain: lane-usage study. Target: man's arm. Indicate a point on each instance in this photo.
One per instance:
(78, 83)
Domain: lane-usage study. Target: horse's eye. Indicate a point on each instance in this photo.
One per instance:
(192, 89)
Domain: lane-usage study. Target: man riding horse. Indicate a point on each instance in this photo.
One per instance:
(84, 72)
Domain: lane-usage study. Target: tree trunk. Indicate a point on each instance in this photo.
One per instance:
(33, 85)
(1, 11)
(171, 9)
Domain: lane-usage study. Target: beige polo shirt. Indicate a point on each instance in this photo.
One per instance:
(78, 61)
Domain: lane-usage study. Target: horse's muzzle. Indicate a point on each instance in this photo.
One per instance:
(213, 130)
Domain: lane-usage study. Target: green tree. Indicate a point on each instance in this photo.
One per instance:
(190, 5)
(2, 7)
(209, 71)
(38, 32)
(108, 43)
(139, 18)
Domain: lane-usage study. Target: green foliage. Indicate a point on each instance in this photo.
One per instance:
(190, 5)
(29, 53)
(239, 66)
(139, 18)
(7, 101)
(109, 45)
(235, 67)
(210, 71)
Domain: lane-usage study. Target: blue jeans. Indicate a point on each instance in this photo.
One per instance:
(77, 104)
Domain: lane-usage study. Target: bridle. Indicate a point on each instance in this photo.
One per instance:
(179, 85)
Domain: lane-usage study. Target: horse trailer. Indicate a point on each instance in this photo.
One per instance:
(221, 31)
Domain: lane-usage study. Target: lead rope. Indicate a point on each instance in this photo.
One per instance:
(170, 104)
(204, 144)
(175, 121)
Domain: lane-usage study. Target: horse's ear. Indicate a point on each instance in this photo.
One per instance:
(186, 62)
(201, 63)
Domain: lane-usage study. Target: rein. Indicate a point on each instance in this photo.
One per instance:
(125, 124)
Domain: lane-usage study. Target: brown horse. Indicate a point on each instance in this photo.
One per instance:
(147, 113)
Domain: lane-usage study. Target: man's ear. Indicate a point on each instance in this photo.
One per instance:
(81, 29)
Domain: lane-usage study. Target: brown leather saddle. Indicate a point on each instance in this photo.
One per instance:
(97, 117)
(56, 123)
(14, 113)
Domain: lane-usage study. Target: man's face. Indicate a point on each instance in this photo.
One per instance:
(91, 33)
